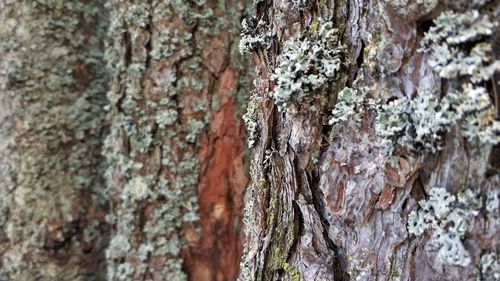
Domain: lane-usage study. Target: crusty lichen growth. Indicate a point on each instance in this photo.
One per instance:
(251, 220)
(52, 91)
(161, 97)
(305, 64)
(447, 217)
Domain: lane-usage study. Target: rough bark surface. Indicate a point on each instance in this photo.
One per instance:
(326, 202)
(52, 91)
(176, 143)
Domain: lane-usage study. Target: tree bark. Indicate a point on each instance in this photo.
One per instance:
(52, 90)
(176, 144)
(330, 196)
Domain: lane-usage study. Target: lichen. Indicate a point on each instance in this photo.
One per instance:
(254, 35)
(447, 217)
(124, 271)
(489, 267)
(163, 83)
(492, 202)
(306, 64)
(351, 104)
(421, 123)
(52, 86)
(251, 119)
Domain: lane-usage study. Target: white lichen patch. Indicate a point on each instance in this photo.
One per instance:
(447, 218)
(447, 42)
(457, 28)
(415, 124)
(492, 202)
(166, 117)
(135, 190)
(420, 123)
(250, 118)
(254, 34)
(306, 64)
(348, 106)
(118, 247)
(456, 50)
(489, 266)
(124, 271)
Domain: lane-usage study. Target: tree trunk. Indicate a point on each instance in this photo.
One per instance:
(176, 145)
(52, 90)
(373, 136)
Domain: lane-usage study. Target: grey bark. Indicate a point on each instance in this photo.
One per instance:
(326, 202)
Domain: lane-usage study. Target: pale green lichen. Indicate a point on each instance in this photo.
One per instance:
(118, 247)
(489, 267)
(166, 117)
(306, 64)
(351, 104)
(422, 122)
(299, 4)
(251, 119)
(254, 35)
(292, 270)
(124, 271)
(492, 202)
(446, 40)
(447, 217)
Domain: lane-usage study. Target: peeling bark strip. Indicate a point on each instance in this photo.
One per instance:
(176, 145)
(52, 91)
(375, 166)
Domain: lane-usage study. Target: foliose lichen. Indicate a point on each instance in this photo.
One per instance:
(254, 34)
(445, 40)
(422, 122)
(489, 267)
(305, 64)
(447, 217)
(351, 104)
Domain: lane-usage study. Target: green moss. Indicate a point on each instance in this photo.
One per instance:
(292, 270)
(314, 28)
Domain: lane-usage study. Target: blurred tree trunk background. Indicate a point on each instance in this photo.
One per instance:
(176, 171)
(208, 140)
(52, 85)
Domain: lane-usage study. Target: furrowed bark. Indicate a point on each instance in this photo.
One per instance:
(176, 145)
(52, 91)
(327, 202)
